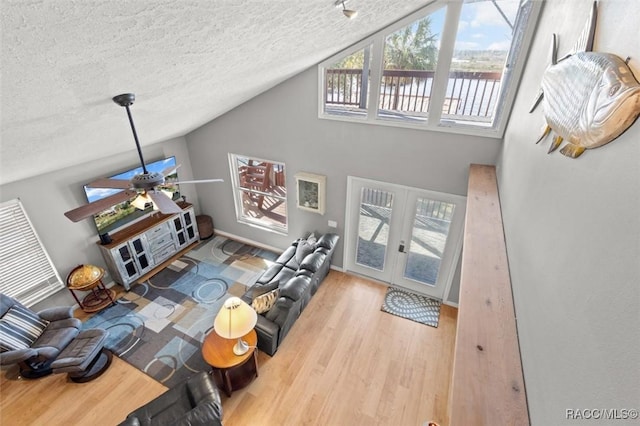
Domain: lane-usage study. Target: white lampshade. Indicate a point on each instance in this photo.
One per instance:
(235, 319)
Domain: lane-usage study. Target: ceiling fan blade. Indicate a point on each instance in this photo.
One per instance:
(164, 203)
(170, 170)
(196, 181)
(110, 183)
(90, 209)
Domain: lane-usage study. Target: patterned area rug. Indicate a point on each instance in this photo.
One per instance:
(159, 326)
(415, 307)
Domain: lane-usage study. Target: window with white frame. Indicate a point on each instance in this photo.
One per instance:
(26, 271)
(450, 66)
(259, 192)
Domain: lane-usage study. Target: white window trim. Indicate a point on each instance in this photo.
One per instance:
(26, 271)
(433, 123)
(235, 185)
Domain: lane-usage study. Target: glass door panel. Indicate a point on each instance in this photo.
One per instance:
(125, 255)
(373, 227)
(144, 263)
(403, 236)
(431, 225)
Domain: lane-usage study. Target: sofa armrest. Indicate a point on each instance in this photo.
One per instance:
(202, 389)
(269, 274)
(283, 314)
(130, 421)
(57, 313)
(208, 414)
(286, 255)
(65, 323)
(12, 357)
(268, 335)
(192, 402)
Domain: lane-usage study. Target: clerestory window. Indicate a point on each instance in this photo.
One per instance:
(450, 66)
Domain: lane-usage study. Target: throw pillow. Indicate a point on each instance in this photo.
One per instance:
(263, 303)
(303, 249)
(312, 239)
(259, 290)
(20, 328)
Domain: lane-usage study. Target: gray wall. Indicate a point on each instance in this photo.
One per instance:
(48, 196)
(283, 125)
(573, 239)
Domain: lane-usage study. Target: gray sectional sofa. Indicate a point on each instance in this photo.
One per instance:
(297, 273)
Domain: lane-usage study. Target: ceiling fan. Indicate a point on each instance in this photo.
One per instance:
(145, 185)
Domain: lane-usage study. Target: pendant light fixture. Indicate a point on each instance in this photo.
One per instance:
(347, 12)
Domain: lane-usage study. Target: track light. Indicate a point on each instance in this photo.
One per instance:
(347, 12)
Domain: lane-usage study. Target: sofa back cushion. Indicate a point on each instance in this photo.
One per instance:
(286, 255)
(294, 288)
(311, 264)
(326, 243)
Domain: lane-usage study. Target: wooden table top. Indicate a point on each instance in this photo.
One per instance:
(218, 351)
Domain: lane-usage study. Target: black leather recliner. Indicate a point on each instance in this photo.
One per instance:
(193, 402)
(35, 360)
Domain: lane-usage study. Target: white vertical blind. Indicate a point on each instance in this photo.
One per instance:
(26, 271)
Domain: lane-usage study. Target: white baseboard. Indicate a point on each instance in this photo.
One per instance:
(248, 241)
(262, 246)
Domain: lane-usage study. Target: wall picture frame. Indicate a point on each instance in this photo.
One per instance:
(311, 192)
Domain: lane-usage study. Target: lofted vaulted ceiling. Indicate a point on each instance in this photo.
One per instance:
(187, 61)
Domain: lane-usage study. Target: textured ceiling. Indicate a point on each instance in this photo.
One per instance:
(187, 62)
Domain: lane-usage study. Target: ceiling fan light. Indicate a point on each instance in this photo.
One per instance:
(141, 201)
(350, 13)
(346, 12)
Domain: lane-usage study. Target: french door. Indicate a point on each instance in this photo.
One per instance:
(403, 236)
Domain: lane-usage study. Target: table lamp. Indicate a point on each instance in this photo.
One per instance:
(235, 319)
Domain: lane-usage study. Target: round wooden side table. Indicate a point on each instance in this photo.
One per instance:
(89, 278)
(232, 371)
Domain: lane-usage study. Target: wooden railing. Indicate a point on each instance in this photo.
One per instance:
(424, 206)
(470, 94)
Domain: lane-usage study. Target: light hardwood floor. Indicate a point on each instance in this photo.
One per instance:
(344, 362)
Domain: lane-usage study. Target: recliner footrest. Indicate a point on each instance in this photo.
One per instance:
(81, 353)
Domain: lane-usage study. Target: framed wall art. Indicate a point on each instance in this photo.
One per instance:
(311, 192)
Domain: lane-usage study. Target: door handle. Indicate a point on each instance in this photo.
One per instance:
(401, 247)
